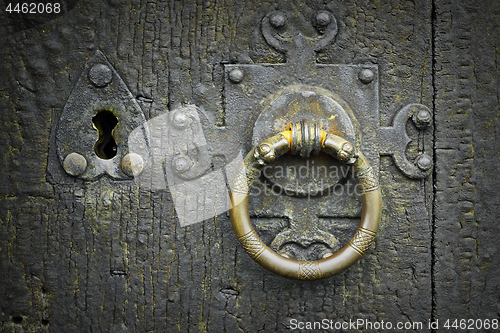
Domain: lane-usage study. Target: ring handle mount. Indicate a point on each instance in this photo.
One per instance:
(304, 139)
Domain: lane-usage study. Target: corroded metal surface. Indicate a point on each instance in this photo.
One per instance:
(100, 91)
(394, 141)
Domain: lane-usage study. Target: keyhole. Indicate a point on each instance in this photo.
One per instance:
(105, 122)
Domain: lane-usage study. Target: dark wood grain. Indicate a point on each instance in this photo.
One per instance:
(467, 119)
(108, 256)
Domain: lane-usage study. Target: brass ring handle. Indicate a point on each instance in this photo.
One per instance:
(305, 139)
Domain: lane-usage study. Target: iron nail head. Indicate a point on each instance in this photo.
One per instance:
(182, 163)
(181, 120)
(422, 118)
(75, 164)
(132, 164)
(366, 75)
(100, 75)
(424, 162)
(236, 75)
(277, 20)
(323, 19)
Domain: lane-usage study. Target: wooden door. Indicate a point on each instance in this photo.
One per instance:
(105, 254)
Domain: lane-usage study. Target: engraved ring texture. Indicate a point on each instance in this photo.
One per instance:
(292, 141)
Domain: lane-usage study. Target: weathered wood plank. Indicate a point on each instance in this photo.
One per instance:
(466, 278)
(109, 256)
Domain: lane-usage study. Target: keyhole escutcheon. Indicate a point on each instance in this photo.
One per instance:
(105, 122)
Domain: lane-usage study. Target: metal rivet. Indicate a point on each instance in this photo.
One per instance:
(424, 162)
(366, 76)
(326, 255)
(236, 75)
(348, 147)
(132, 164)
(323, 19)
(343, 155)
(75, 164)
(264, 149)
(270, 157)
(182, 163)
(181, 120)
(100, 75)
(422, 118)
(278, 20)
(284, 254)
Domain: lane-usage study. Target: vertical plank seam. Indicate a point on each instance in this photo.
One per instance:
(434, 172)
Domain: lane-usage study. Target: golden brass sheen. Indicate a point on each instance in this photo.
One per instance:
(276, 146)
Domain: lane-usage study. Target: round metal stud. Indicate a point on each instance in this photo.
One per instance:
(182, 163)
(278, 20)
(424, 162)
(348, 147)
(366, 76)
(422, 119)
(132, 164)
(236, 75)
(264, 149)
(323, 19)
(75, 164)
(100, 75)
(181, 120)
(343, 155)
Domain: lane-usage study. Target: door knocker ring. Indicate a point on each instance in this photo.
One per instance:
(304, 139)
